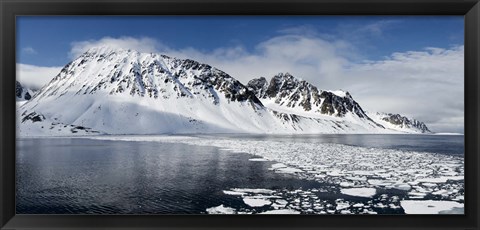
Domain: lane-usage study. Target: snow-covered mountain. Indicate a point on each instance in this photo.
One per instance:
(286, 93)
(22, 93)
(118, 91)
(399, 122)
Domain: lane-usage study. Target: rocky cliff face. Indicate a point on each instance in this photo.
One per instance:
(22, 93)
(399, 122)
(287, 91)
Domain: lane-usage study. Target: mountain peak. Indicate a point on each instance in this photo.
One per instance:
(284, 75)
(341, 93)
(293, 93)
(105, 50)
(108, 70)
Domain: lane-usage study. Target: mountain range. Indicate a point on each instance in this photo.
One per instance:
(115, 91)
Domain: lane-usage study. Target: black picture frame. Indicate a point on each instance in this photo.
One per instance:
(12, 8)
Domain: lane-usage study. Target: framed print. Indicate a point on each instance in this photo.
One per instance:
(158, 114)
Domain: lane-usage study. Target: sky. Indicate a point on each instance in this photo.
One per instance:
(411, 65)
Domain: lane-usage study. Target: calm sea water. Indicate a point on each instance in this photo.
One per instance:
(74, 175)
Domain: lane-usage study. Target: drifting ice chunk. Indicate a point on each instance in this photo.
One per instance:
(358, 205)
(253, 190)
(361, 192)
(417, 194)
(342, 205)
(356, 178)
(257, 159)
(441, 179)
(429, 184)
(335, 173)
(363, 173)
(376, 182)
(346, 184)
(234, 193)
(288, 170)
(281, 211)
(277, 166)
(221, 210)
(402, 186)
(428, 206)
(255, 202)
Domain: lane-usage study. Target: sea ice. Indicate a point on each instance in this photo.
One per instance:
(402, 186)
(277, 166)
(257, 159)
(221, 210)
(419, 173)
(361, 192)
(234, 193)
(256, 202)
(288, 170)
(346, 184)
(440, 179)
(281, 211)
(253, 190)
(428, 206)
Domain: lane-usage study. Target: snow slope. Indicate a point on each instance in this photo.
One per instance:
(36, 125)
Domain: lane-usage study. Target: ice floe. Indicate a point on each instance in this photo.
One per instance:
(429, 206)
(256, 202)
(255, 191)
(257, 159)
(362, 192)
(281, 211)
(221, 210)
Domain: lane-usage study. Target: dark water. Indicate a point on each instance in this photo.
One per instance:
(65, 176)
(92, 176)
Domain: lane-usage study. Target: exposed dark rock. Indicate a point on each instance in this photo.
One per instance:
(21, 92)
(404, 122)
(34, 117)
(289, 91)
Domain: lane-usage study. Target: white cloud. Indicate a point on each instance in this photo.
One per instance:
(35, 77)
(303, 56)
(144, 44)
(428, 85)
(376, 28)
(425, 84)
(29, 50)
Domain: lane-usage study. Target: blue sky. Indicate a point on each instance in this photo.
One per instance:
(411, 65)
(46, 41)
